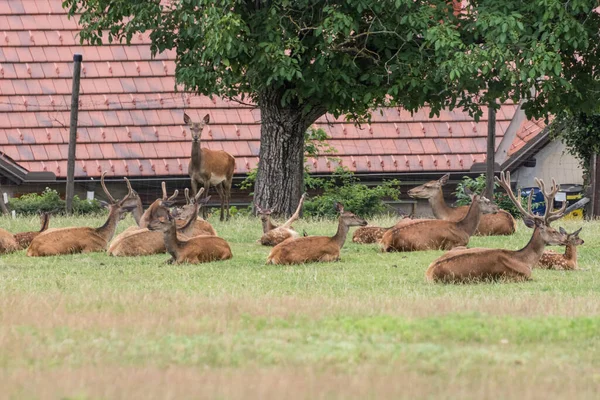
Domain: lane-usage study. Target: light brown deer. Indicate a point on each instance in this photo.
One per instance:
(568, 261)
(81, 239)
(196, 250)
(200, 226)
(469, 265)
(434, 234)
(316, 248)
(500, 223)
(374, 234)
(273, 234)
(24, 238)
(209, 167)
(8, 243)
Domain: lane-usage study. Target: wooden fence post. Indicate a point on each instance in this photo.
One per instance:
(77, 58)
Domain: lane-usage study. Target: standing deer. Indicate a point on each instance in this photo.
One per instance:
(433, 234)
(24, 238)
(467, 265)
(552, 260)
(316, 248)
(273, 234)
(198, 249)
(81, 239)
(501, 223)
(209, 167)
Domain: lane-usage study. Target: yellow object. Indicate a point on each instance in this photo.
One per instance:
(575, 214)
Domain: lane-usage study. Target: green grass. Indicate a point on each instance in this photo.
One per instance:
(94, 326)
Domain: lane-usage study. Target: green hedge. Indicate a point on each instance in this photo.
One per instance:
(50, 201)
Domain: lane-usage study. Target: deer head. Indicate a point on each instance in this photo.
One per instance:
(573, 239)
(485, 205)
(428, 189)
(264, 212)
(348, 218)
(124, 205)
(550, 235)
(190, 208)
(196, 127)
(160, 219)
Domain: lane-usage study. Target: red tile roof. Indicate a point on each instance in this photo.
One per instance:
(131, 122)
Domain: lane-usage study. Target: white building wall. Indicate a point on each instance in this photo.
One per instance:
(553, 161)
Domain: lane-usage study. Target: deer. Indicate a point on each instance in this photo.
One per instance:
(24, 238)
(8, 243)
(209, 167)
(195, 250)
(316, 248)
(433, 234)
(500, 223)
(81, 239)
(273, 234)
(374, 234)
(567, 261)
(200, 225)
(472, 265)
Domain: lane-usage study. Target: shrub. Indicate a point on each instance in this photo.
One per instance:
(50, 201)
(356, 197)
(477, 185)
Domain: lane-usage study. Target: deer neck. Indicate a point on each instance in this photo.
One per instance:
(532, 253)
(137, 214)
(268, 225)
(440, 209)
(196, 156)
(470, 222)
(571, 253)
(341, 234)
(107, 231)
(172, 244)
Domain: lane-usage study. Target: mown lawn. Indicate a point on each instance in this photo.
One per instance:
(94, 326)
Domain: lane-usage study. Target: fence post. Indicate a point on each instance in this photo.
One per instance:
(491, 153)
(77, 58)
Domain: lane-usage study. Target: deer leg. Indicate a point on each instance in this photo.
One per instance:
(221, 192)
(205, 208)
(227, 188)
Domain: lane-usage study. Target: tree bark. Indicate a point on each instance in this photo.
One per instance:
(280, 178)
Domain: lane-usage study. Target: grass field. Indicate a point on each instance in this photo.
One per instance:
(94, 326)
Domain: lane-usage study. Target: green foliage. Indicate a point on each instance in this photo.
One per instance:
(356, 197)
(315, 144)
(581, 135)
(477, 185)
(50, 201)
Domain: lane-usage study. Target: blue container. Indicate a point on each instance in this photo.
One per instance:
(538, 197)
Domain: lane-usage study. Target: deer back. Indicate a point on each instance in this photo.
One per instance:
(66, 241)
(8, 244)
(202, 249)
(24, 238)
(303, 250)
(277, 235)
(430, 234)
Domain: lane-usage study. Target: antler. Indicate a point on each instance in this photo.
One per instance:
(551, 215)
(197, 196)
(504, 181)
(130, 192)
(110, 198)
(187, 196)
(164, 192)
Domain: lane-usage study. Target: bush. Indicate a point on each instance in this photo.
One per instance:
(356, 197)
(50, 201)
(477, 185)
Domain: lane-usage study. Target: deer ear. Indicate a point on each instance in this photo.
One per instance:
(103, 203)
(339, 207)
(204, 200)
(186, 119)
(167, 203)
(562, 231)
(576, 233)
(530, 223)
(444, 179)
(206, 118)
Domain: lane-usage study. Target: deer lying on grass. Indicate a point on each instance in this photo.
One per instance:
(196, 250)
(316, 248)
(24, 238)
(500, 223)
(433, 234)
(374, 234)
(81, 239)
(467, 265)
(200, 225)
(8, 243)
(273, 234)
(552, 260)
(209, 167)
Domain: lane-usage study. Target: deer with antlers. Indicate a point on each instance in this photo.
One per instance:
(209, 167)
(81, 239)
(196, 250)
(433, 234)
(273, 234)
(200, 225)
(567, 261)
(500, 223)
(467, 265)
(316, 248)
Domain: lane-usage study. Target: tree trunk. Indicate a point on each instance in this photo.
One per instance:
(280, 177)
(491, 154)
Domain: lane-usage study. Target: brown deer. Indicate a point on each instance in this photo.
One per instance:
(316, 248)
(500, 223)
(196, 250)
(24, 238)
(209, 167)
(200, 226)
(273, 234)
(374, 234)
(433, 234)
(468, 265)
(568, 261)
(8, 243)
(81, 239)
